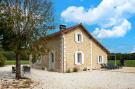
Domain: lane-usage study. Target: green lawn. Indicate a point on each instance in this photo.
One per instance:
(128, 63)
(12, 62)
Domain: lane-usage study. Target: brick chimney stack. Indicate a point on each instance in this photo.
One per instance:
(62, 27)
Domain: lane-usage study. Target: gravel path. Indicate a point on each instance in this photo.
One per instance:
(95, 79)
(85, 80)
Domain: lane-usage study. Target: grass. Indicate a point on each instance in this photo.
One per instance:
(12, 62)
(128, 63)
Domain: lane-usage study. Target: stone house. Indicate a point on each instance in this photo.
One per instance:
(72, 47)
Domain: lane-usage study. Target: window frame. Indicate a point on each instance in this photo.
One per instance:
(50, 56)
(77, 37)
(100, 60)
(77, 56)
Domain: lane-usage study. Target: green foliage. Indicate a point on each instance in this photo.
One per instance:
(68, 71)
(2, 60)
(22, 22)
(126, 56)
(75, 69)
(25, 54)
(10, 55)
(12, 62)
(128, 63)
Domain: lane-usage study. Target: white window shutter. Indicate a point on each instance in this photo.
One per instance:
(82, 58)
(75, 37)
(98, 60)
(102, 59)
(75, 58)
(81, 37)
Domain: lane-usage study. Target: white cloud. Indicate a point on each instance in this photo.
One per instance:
(116, 31)
(108, 14)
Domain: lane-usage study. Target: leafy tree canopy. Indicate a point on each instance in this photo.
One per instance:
(22, 23)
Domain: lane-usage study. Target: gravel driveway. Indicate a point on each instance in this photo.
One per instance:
(95, 79)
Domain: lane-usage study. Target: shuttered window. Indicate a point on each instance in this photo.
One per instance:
(78, 37)
(79, 57)
(100, 60)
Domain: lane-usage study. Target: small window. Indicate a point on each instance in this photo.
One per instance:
(79, 57)
(100, 59)
(52, 57)
(78, 37)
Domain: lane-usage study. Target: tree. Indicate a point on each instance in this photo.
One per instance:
(22, 23)
(2, 59)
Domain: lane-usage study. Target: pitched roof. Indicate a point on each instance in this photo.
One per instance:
(84, 29)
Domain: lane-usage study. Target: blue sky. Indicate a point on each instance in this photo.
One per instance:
(112, 22)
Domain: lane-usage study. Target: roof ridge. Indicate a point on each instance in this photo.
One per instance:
(72, 28)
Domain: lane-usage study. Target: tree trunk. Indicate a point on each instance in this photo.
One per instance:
(18, 70)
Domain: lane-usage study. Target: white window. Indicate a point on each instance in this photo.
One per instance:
(78, 37)
(79, 57)
(100, 60)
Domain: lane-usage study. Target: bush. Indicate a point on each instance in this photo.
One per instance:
(85, 69)
(2, 60)
(68, 71)
(75, 69)
(10, 55)
(24, 55)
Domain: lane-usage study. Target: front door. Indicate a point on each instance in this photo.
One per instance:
(51, 60)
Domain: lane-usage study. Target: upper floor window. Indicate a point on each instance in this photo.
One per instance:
(100, 60)
(78, 37)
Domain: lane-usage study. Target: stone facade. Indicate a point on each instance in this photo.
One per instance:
(71, 47)
(64, 47)
(54, 44)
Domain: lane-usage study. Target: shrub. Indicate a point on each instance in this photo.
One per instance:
(10, 55)
(2, 60)
(85, 69)
(24, 55)
(75, 69)
(68, 71)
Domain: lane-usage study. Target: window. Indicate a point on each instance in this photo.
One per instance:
(79, 57)
(52, 57)
(100, 59)
(78, 37)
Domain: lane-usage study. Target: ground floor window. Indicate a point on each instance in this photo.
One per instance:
(100, 60)
(52, 56)
(79, 57)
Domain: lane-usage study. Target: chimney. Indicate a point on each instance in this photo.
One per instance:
(62, 27)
